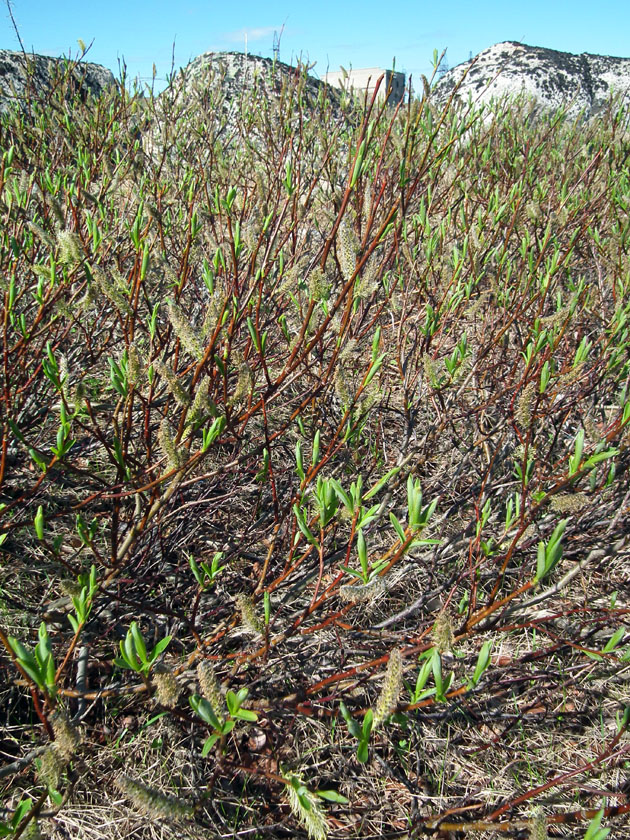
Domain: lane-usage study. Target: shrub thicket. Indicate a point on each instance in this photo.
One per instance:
(314, 474)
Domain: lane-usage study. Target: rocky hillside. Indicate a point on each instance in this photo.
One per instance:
(552, 78)
(23, 74)
(238, 70)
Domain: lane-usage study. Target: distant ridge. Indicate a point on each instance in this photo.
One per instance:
(552, 78)
(19, 72)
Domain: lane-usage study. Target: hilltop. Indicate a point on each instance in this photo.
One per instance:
(553, 78)
(21, 74)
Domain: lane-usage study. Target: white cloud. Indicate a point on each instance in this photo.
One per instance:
(252, 33)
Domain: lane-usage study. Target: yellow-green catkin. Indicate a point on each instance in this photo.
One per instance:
(69, 587)
(64, 376)
(347, 247)
(311, 816)
(150, 801)
(210, 688)
(244, 383)
(250, 620)
(167, 446)
(107, 288)
(369, 280)
(523, 413)
(167, 690)
(51, 767)
(390, 692)
(44, 237)
(443, 634)
(135, 365)
(318, 288)
(69, 248)
(67, 737)
(172, 382)
(538, 830)
(183, 329)
(568, 502)
(363, 593)
(200, 407)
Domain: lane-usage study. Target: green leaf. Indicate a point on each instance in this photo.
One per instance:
(374, 368)
(599, 457)
(397, 527)
(232, 703)
(208, 744)
(615, 639)
(299, 461)
(34, 673)
(362, 752)
(368, 720)
(139, 644)
(301, 522)
(576, 458)
(594, 832)
(246, 714)
(332, 796)
(195, 570)
(205, 711)
(381, 483)
(367, 516)
(160, 646)
(343, 496)
(128, 652)
(421, 681)
(56, 796)
(362, 552)
(39, 523)
(540, 561)
(353, 725)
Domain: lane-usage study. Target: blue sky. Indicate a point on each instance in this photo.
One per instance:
(365, 34)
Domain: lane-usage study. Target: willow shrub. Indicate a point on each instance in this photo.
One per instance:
(315, 445)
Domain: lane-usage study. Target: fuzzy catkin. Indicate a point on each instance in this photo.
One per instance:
(568, 502)
(347, 247)
(390, 692)
(69, 248)
(67, 737)
(312, 817)
(150, 801)
(523, 413)
(167, 446)
(166, 688)
(363, 592)
(172, 382)
(188, 337)
(538, 830)
(210, 687)
(250, 620)
(51, 767)
(443, 634)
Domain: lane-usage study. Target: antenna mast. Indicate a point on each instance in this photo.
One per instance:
(276, 46)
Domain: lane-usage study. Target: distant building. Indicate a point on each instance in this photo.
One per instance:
(365, 79)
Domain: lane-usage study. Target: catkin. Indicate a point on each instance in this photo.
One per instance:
(390, 692)
(150, 801)
(166, 688)
(312, 815)
(210, 687)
